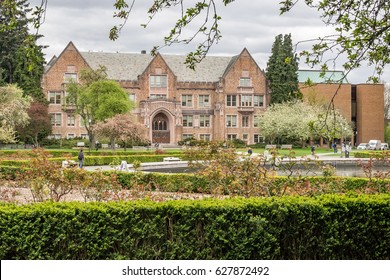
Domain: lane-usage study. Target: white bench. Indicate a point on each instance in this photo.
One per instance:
(267, 147)
(104, 146)
(286, 146)
(80, 144)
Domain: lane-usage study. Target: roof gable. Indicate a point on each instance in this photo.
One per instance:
(54, 60)
(234, 60)
(127, 66)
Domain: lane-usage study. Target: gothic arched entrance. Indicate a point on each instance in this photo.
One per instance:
(160, 129)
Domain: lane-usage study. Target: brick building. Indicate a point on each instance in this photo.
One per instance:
(362, 104)
(218, 101)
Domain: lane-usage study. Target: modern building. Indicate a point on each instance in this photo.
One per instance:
(220, 100)
(361, 104)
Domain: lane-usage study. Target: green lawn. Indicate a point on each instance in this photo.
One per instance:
(297, 151)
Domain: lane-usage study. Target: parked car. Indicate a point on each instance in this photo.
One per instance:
(374, 144)
(384, 146)
(363, 146)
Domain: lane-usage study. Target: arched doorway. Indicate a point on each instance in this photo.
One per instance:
(160, 129)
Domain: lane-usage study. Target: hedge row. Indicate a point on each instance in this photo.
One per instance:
(325, 227)
(198, 184)
(373, 154)
(99, 160)
(193, 183)
(87, 152)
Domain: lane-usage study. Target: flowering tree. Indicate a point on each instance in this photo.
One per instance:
(13, 112)
(121, 127)
(299, 121)
(287, 121)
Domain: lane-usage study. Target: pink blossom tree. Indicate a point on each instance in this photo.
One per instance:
(122, 127)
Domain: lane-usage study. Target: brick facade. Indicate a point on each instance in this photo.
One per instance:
(362, 104)
(217, 106)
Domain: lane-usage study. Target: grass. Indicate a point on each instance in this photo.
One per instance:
(298, 151)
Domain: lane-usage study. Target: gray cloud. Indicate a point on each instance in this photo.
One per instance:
(245, 23)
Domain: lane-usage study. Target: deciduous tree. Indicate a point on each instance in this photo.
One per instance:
(121, 127)
(13, 112)
(39, 125)
(97, 99)
(299, 121)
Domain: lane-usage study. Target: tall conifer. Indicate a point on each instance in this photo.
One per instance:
(282, 71)
(21, 59)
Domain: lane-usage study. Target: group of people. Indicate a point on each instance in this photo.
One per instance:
(345, 148)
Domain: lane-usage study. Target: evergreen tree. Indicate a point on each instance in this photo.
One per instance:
(21, 59)
(282, 71)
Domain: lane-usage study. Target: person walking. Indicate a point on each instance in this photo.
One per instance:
(342, 149)
(334, 146)
(81, 158)
(313, 149)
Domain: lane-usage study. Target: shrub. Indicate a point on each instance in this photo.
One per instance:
(290, 228)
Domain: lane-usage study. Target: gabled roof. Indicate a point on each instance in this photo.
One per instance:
(315, 76)
(54, 59)
(127, 66)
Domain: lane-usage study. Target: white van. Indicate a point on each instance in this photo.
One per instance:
(384, 146)
(374, 144)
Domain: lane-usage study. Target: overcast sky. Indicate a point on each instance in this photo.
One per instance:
(251, 24)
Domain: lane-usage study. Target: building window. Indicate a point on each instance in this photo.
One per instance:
(231, 137)
(204, 101)
(187, 136)
(258, 100)
(160, 125)
(205, 137)
(158, 81)
(256, 120)
(186, 100)
(54, 136)
(204, 120)
(55, 97)
(258, 139)
(245, 82)
(231, 100)
(231, 121)
(132, 97)
(187, 121)
(70, 120)
(246, 100)
(158, 96)
(56, 119)
(245, 121)
(70, 77)
(70, 136)
(245, 137)
(84, 136)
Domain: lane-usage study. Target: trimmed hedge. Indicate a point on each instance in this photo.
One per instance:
(98, 160)
(325, 227)
(74, 153)
(198, 184)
